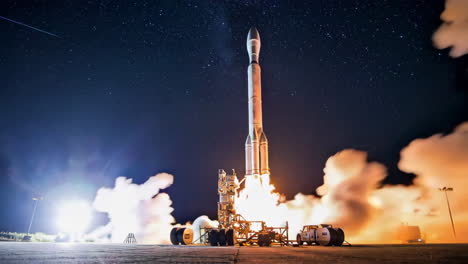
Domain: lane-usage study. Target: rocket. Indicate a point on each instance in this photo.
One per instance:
(256, 145)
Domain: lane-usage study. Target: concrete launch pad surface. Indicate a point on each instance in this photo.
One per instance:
(11, 252)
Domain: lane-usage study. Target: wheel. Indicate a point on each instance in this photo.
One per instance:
(299, 239)
(339, 237)
(230, 237)
(333, 237)
(174, 239)
(213, 237)
(180, 236)
(261, 240)
(222, 237)
(266, 240)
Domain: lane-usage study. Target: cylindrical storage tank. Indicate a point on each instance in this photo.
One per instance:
(185, 235)
(326, 236)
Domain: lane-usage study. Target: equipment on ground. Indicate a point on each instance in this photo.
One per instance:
(233, 229)
(130, 239)
(324, 235)
(181, 236)
(410, 234)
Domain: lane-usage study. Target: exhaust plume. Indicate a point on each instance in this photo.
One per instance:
(348, 184)
(353, 198)
(454, 30)
(138, 209)
(441, 161)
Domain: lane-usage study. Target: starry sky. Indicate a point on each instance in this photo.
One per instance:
(135, 88)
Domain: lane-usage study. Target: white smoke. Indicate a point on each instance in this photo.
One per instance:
(351, 197)
(138, 209)
(202, 222)
(454, 30)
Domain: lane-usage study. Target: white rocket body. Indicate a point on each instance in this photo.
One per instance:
(256, 145)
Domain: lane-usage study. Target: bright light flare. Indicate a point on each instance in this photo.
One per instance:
(74, 216)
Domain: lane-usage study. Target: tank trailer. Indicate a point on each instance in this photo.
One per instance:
(324, 235)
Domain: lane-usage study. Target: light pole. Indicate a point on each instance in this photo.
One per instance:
(445, 190)
(36, 199)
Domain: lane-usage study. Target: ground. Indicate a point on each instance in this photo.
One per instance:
(17, 252)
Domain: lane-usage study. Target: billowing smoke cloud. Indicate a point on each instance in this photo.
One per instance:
(352, 196)
(345, 196)
(373, 213)
(138, 209)
(348, 184)
(441, 161)
(454, 30)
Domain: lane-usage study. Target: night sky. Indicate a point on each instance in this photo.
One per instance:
(136, 88)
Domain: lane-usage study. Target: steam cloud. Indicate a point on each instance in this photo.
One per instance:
(370, 213)
(202, 222)
(454, 30)
(348, 184)
(352, 197)
(138, 209)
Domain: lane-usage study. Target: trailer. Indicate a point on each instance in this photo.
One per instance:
(324, 235)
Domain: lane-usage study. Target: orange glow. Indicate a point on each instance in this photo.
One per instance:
(352, 196)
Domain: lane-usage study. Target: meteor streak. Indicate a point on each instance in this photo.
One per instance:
(22, 24)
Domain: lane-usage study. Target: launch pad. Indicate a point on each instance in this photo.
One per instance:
(17, 252)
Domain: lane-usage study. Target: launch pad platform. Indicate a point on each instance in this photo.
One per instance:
(24, 252)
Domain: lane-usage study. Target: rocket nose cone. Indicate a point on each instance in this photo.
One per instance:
(253, 45)
(253, 34)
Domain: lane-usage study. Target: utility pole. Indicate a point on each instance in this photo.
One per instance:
(36, 199)
(445, 190)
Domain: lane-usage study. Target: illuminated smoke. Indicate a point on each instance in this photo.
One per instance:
(352, 196)
(138, 209)
(438, 161)
(202, 222)
(349, 181)
(454, 30)
(348, 184)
